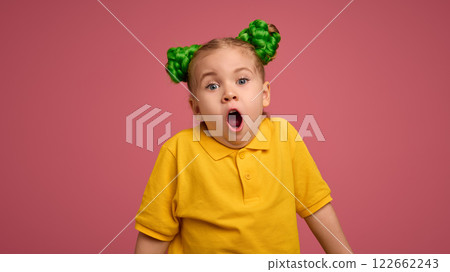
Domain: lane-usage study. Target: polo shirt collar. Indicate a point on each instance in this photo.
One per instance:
(218, 151)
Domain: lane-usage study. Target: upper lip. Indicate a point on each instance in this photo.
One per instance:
(233, 109)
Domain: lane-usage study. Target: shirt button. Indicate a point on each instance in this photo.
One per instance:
(248, 176)
(242, 155)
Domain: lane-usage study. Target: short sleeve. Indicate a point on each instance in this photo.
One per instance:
(310, 188)
(156, 215)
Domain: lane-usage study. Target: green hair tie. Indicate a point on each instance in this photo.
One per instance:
(257, 34)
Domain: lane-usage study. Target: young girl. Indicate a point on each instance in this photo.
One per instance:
(235, 183)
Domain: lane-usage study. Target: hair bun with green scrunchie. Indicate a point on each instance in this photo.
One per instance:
(264, 41)
(178, 61)
(263, 37)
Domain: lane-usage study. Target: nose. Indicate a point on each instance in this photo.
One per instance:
(228, 96)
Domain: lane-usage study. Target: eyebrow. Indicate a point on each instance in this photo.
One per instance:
(212, 73)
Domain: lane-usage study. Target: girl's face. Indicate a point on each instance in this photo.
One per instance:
(230, 92)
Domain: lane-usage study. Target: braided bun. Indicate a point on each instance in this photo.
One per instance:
(264, 37)
(178, 59)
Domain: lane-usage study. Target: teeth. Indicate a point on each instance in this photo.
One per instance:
(232, 111)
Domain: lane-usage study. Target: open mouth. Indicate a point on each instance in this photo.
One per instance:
(234, 120)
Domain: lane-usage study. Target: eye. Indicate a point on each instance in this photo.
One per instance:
(242, 81)
(212, 86)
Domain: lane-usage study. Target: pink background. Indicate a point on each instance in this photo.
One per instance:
(376, 81)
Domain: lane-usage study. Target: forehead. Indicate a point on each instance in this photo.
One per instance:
(224, 60)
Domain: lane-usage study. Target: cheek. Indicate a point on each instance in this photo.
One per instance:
(207, 106)
(258, 107)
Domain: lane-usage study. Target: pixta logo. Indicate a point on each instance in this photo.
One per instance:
(141, 122)
(308, 121)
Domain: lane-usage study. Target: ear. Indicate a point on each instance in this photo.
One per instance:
(266, 94)
(194, 105)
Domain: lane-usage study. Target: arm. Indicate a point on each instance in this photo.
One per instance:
(328, 217)
(147, 244)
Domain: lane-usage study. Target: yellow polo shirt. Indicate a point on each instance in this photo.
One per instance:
(207, 198)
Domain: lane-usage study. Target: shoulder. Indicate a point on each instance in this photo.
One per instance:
(284, 136)
(282, 128)
(181, 139)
